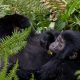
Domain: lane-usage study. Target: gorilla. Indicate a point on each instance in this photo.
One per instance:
(67, 59)
(66, 44)
(10, 22)
(34, 54)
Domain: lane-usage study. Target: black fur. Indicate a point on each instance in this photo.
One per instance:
(33, 56)
(9, 22)
(60, 68)
(72, 44)
(48, 37)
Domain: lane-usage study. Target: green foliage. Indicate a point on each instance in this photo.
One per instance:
(66, 19)
(32, 77)
(60, 25)
(4, 70)
(71, 7)
(14, 43)
(77, 73)
(10, 46)
(12, 73)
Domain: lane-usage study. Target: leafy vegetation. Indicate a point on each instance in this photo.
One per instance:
(11, 45)
(69, 19)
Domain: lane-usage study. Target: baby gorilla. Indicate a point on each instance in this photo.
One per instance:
(61, 66)
(67, 44)
(9, 22)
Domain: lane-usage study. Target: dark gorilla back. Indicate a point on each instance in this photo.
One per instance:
(9, 22)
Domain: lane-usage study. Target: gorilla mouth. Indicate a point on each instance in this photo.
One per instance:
(71, 57)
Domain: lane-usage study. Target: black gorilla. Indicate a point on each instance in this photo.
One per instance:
(62, 66)
(66, 44)
(34, 55)
(9, 22)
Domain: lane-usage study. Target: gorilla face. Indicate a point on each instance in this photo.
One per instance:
(66, 44)
(58, 45)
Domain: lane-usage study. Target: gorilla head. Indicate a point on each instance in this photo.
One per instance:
(67, 43)
(48, 37)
